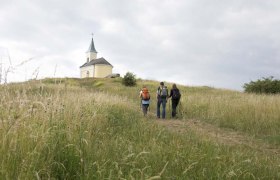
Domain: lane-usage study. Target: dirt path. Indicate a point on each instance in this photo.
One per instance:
(218, 135)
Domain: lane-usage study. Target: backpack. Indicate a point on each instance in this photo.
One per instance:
(176, 94)
(145, 94)
(163, 93)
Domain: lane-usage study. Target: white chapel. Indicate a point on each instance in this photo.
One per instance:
(95, 67)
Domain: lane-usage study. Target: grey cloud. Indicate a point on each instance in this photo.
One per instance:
(199, 42)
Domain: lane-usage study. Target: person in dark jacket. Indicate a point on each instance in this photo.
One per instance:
(175, 96)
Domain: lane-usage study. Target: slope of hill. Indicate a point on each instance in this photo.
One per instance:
(94, 129)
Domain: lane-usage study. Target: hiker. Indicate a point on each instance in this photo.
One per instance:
(145, 99)
(162, 95)
(175, 96)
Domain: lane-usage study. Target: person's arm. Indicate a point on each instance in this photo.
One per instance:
(157, 93)
(140, 94)
(171, 93)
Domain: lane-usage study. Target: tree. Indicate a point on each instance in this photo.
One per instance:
(129, 79)
(265, 85)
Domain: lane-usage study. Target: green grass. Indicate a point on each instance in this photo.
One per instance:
(250, 113)
(94, 129)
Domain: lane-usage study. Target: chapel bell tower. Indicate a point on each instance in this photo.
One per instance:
(91, 52)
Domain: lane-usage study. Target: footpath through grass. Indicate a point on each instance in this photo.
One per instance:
(253, 114)
(81, 130)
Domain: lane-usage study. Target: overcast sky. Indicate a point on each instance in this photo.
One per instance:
(214, 43)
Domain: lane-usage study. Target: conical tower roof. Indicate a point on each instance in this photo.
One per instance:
(91, 47)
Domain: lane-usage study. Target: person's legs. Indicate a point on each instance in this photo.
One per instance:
(145, 108)
(173, 109)
(174, 106)
(158, 108)
(163, 108)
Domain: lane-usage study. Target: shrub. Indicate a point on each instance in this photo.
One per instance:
(129, 79)
(265, 85)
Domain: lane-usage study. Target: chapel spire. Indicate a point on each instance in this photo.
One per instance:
(91, 52)
(91, 47)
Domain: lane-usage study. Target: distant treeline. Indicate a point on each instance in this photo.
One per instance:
(263, 86)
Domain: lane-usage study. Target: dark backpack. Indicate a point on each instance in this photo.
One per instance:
(176, 94)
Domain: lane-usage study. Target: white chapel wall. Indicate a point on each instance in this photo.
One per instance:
(102, 70)
(91, 56)
(87, 71)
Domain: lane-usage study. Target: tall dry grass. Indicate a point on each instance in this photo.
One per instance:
(73, 129)
(258, 115)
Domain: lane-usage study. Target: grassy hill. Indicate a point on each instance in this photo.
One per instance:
(94, 129)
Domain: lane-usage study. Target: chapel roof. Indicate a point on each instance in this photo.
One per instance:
(96, 61)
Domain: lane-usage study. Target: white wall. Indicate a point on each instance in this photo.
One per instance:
(91, 55)
(87, 71)
(102, 70)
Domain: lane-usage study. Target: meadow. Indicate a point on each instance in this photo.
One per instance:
(94, 129)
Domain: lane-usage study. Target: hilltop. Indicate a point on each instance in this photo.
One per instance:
(94, 129)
